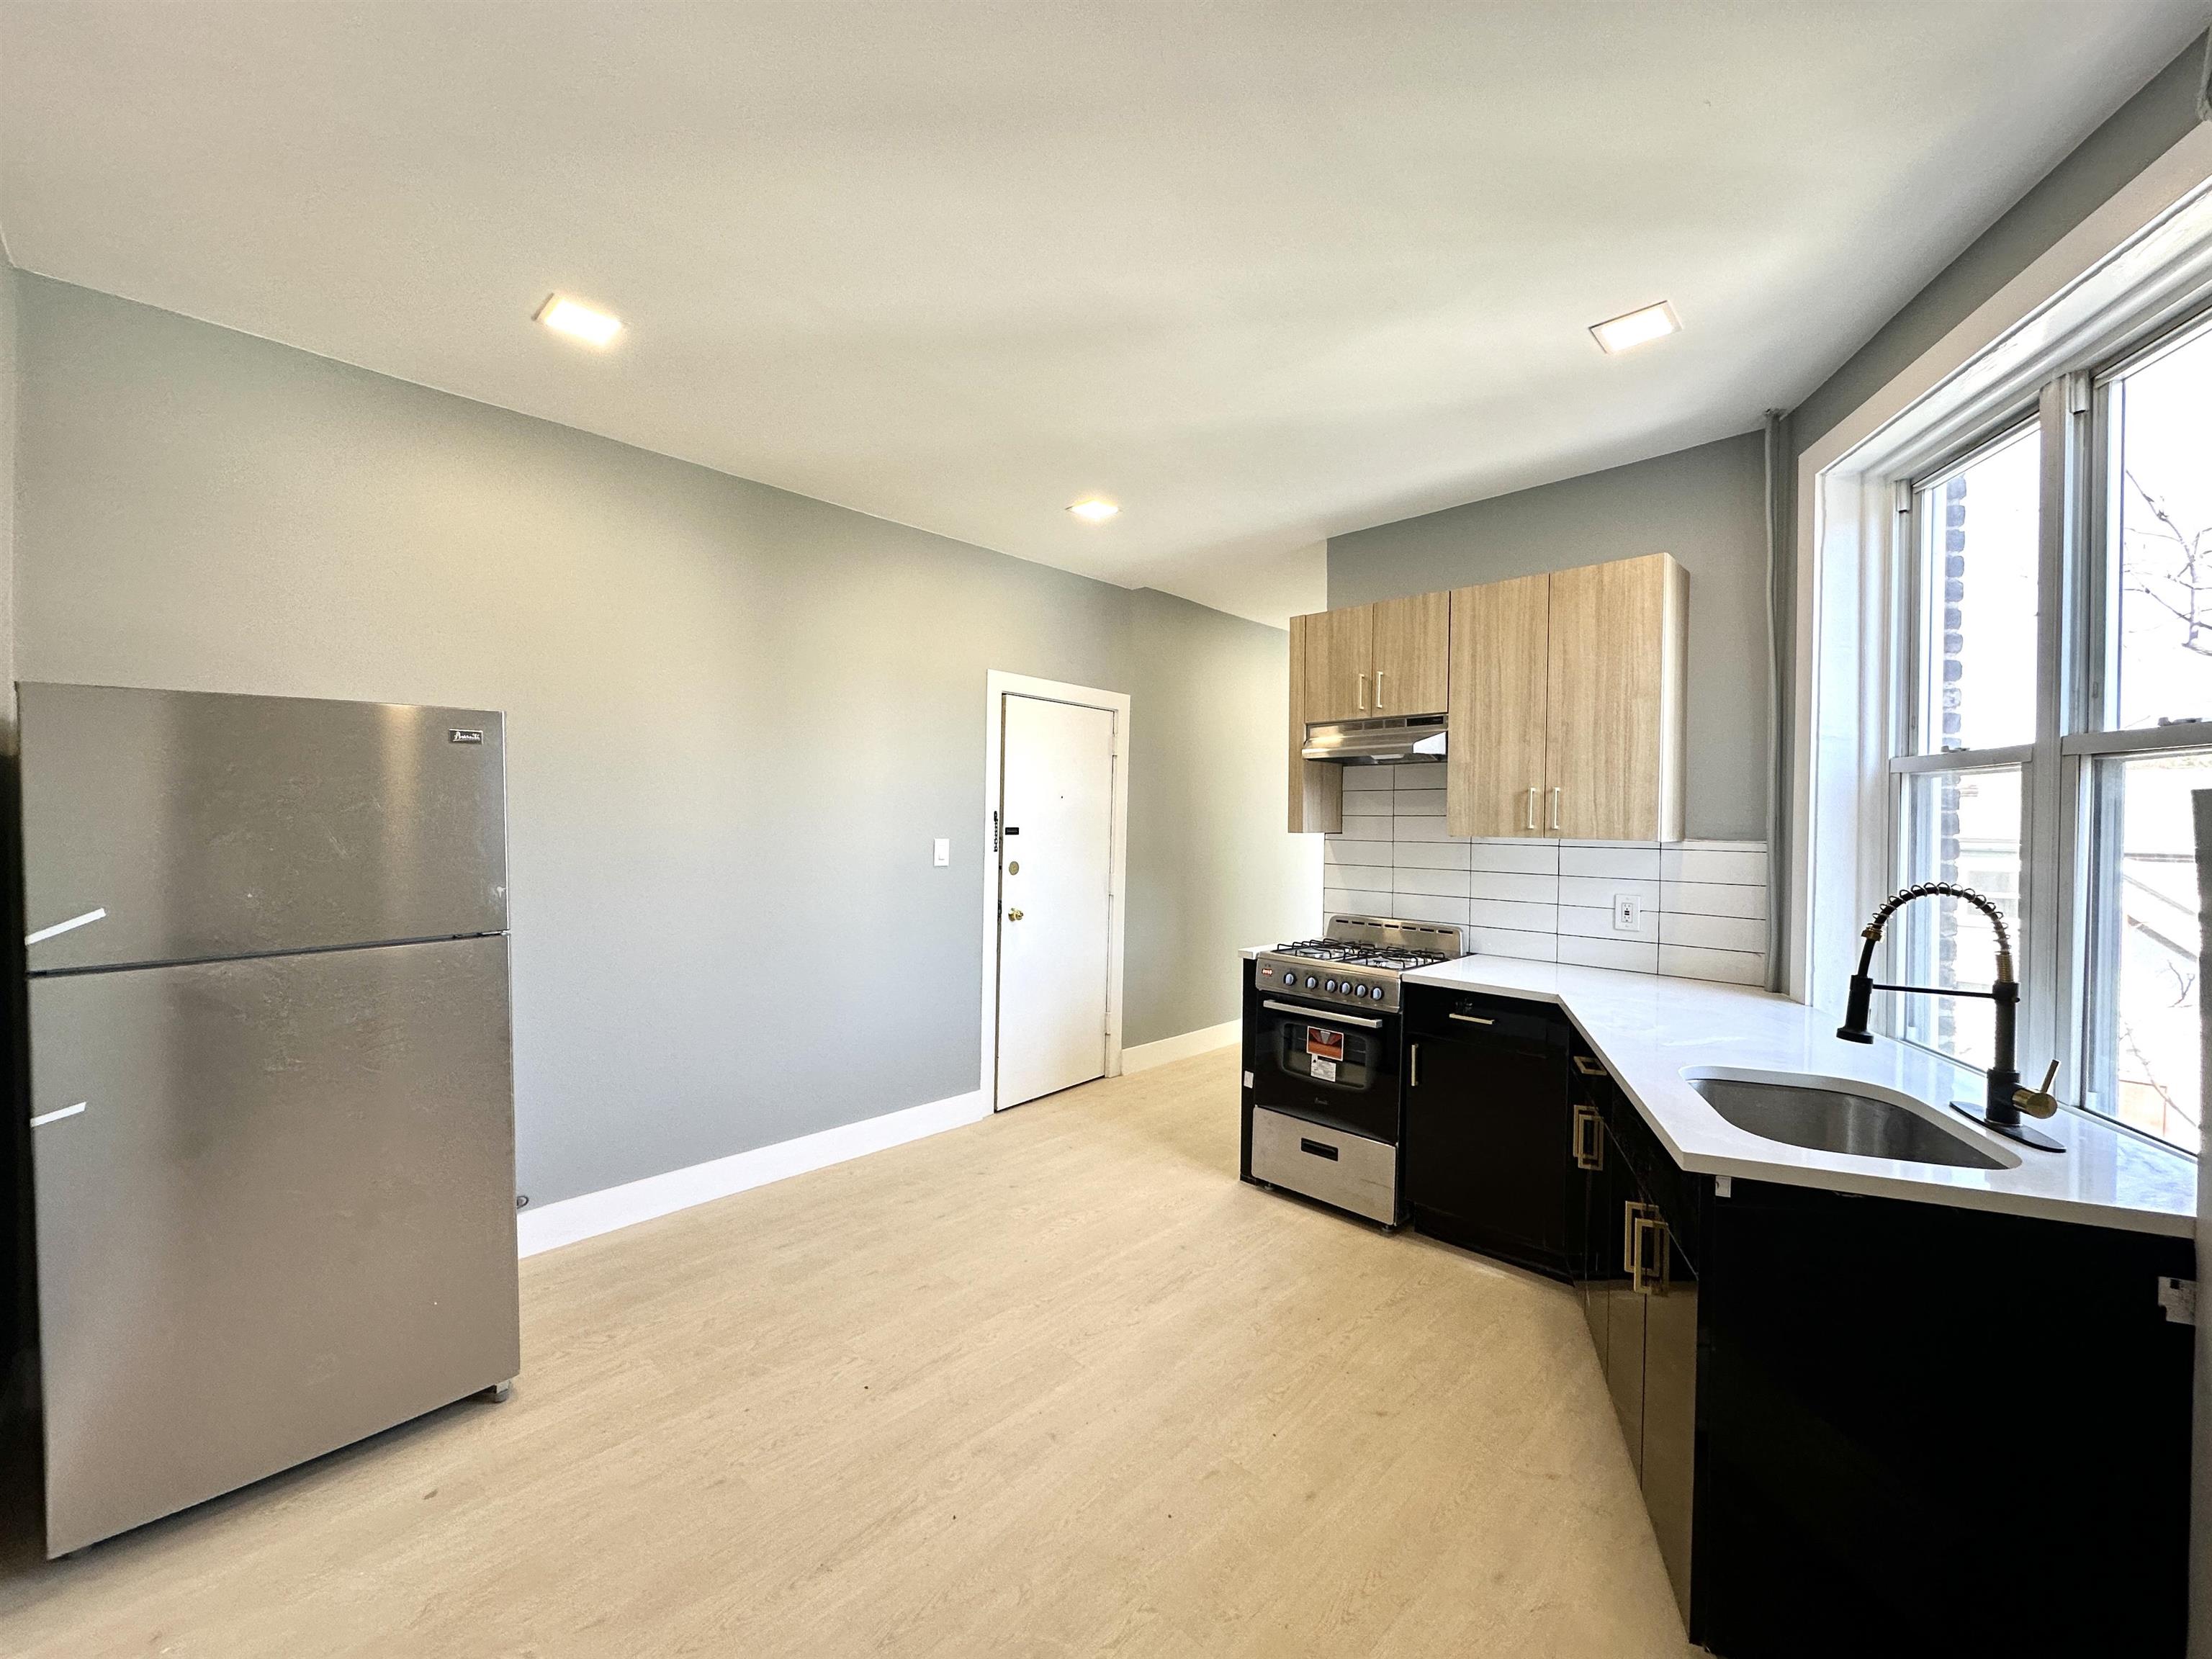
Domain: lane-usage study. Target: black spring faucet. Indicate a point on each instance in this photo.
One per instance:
(2004, 1100)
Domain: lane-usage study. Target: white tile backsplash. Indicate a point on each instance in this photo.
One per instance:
(1624, 954)
(1523, 918)
(1511, 885)
(1421, 907)
(1417, 827)
(1738, 867)
(1701, 904)
(1432, 856)
(1349, 849)
(1713, 932)
(1437, 883)
(1610, 863)
(1419, 803)
(1603, 890)
(1504, 942)
(1712, 898)
(1533, 858)
(1736, 966)
(1587, 923)
(1339, 900)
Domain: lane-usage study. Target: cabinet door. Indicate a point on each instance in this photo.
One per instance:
(1316, 791)
(1486, 1156)
(1339, 661)
(1500, 653)
(1613, 753)
(1670, 1410)
(1412, 645)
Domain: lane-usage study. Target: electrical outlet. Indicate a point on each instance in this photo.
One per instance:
(1627, 913)
(944, 855)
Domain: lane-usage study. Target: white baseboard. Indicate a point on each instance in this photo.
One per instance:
(1168, 1050)
(594, 1213)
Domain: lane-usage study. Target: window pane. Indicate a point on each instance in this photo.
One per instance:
(1978, 560)
(2143, 1060)
(1962, 827)
(2161, 644)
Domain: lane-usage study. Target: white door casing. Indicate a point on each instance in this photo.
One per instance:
(1056, 802)
(1056, 775)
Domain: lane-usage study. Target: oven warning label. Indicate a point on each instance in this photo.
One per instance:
(1324, 1051)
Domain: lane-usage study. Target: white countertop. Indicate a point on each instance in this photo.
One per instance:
(1648, 1030)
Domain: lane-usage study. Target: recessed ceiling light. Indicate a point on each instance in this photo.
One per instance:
(571, 317)
(1093, 510)
(1637, 327)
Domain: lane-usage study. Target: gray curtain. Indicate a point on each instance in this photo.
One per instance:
(1781, 644)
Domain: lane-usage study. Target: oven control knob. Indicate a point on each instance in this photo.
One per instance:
(1310, 982)
(1330, 985)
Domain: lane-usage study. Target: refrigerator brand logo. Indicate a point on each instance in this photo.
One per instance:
(463, 734)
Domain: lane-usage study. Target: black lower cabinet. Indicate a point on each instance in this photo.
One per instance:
(1862, 1425)
(1487, 1125)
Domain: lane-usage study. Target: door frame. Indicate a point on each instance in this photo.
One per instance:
(998, 686)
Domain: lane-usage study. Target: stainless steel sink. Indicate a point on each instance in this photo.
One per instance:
(1831, 1121)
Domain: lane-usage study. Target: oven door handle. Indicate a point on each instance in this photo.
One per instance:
(1327, 1014)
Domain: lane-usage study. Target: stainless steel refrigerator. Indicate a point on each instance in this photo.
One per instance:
(271, 1092)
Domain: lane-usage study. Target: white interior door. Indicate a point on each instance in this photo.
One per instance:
(1056, 912)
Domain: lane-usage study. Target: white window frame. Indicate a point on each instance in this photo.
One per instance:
(2128, 274)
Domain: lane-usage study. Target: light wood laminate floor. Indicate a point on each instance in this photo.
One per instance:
(1053, 1384)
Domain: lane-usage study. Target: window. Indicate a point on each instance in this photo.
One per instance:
(1971, 701)
(2055, 690)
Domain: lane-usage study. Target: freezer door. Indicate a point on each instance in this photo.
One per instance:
(205, 825)
(276, 1214)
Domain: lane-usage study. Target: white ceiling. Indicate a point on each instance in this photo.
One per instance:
(1262, 273)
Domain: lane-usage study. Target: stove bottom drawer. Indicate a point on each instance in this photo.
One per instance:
(1350, 1171)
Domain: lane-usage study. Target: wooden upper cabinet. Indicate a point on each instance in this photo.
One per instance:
(1411, 654)
(1339, 664)
(1495, 776)
(1317, 790)
(1613, 736)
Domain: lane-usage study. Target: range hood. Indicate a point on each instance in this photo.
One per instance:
(1395, 741)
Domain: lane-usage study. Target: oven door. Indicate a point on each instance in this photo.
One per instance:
(1327, 1066)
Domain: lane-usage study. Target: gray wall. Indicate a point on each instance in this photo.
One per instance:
(1705, 506)
(2141, 129)
(737, 716)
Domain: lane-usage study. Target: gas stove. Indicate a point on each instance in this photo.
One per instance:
(1357, 963)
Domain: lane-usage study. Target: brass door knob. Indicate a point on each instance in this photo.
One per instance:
(1013, 915)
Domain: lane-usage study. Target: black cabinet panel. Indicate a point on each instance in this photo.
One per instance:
(1929, 1430)
(1487, 1152)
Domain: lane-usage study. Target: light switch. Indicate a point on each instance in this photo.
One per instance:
(1627, 912)
(943, 853)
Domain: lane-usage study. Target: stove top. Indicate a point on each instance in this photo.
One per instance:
(1380, 947)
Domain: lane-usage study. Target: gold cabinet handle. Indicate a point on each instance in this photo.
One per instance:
(1378, 690)
(1013, 915)
(1646, 1226)
(1589, 1140)
(1472, 1020)
(1363, 693)
(1413, 1055)
(1557, 792)
(1587, 1067)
